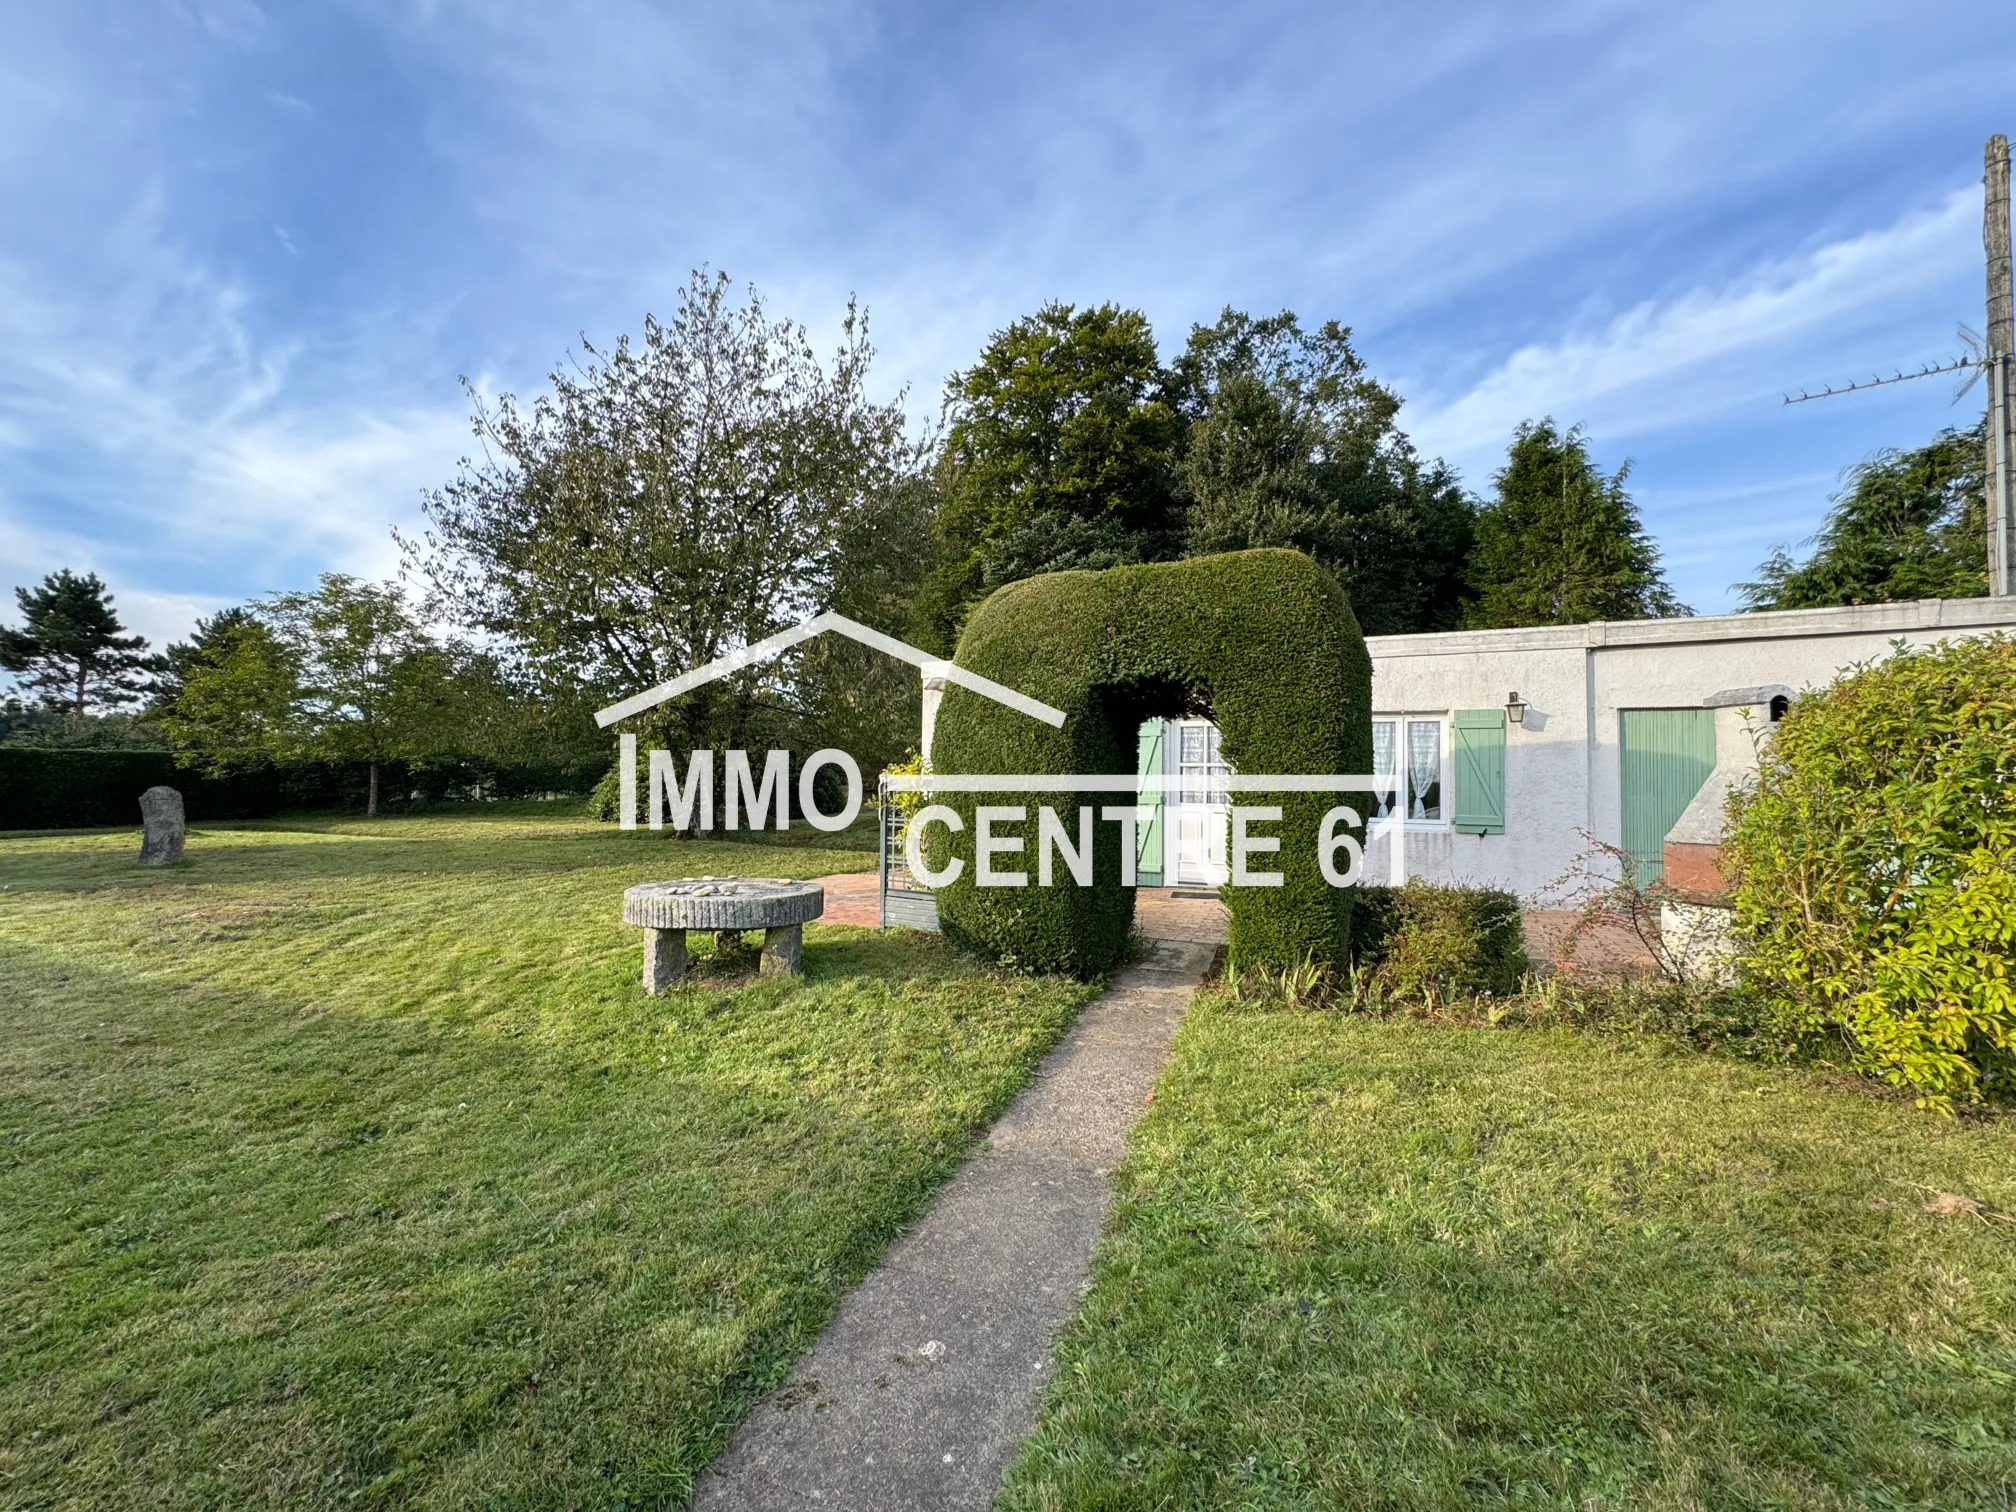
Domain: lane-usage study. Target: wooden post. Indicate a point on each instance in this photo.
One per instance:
(2001, 477)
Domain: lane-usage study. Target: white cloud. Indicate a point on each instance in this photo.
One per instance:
(1665, 362)
(159, 442)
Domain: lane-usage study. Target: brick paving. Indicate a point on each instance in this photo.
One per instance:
(1193, 914)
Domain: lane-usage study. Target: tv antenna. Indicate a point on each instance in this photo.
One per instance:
(1991, 357)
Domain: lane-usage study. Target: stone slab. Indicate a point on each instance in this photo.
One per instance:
(163, 827)
(723, 903)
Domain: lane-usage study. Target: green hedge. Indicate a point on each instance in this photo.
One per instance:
(1262, 641)
(69, 789)
(78, 789)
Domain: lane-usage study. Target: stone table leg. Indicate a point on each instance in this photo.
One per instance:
(784, 950)
(664, 958)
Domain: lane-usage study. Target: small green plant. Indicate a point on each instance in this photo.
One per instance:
(906, 804)
(1433, 945)
(1307, 984)
(1874, 869)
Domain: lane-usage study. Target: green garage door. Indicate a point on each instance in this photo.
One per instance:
(1668, 754)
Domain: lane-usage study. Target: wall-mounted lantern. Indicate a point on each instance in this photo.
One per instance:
(1515, 708)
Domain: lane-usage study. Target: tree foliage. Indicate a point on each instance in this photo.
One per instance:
(342, 673)
(212, 636)
(71, 648)
(1875, 868)
(668, 502)
(1562, 543)
(1060, 453)
(1292, 443)
(1909, 525)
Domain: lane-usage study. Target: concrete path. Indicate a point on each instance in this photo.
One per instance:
(920, 1389)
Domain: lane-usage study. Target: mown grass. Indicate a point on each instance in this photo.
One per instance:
(1401, 1265)
(348, 1165)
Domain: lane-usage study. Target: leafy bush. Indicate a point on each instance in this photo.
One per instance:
(71, 789)
(1435, 945)
(605, 799)
(1874, 867)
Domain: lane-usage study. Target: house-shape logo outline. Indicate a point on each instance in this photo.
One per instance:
(748, 656)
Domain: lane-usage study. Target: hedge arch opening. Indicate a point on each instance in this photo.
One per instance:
(1263, 642)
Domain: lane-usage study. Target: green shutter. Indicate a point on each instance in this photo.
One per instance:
(1478, 741)
(1148, 763)
(1666, 755)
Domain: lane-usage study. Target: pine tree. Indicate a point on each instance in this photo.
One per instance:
(72, 650)
(212, 640)
(1562, 543)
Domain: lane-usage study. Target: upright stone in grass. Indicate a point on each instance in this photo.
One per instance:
(162, 828)
(728, 905)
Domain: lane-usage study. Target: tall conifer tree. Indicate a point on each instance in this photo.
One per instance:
(1909, 525)
(72, 648)
(1562, 543)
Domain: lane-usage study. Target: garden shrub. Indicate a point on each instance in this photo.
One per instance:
(1264, 642)
(1874, 869)
(1433, 944)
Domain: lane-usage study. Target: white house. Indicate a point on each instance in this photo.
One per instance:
(1515, 741)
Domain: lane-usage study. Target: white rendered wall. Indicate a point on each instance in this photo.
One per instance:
(1563, 766)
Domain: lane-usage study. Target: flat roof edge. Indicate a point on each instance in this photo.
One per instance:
(1775, 624)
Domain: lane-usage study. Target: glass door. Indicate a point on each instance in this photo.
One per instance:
(1199, 808)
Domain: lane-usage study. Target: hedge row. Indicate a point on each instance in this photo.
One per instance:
(76, 789)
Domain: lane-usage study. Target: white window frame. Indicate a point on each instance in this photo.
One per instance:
(1445, 790)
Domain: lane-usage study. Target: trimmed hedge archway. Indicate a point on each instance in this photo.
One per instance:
(1263, 642)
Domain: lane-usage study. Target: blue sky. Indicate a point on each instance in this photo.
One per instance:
(247, 251)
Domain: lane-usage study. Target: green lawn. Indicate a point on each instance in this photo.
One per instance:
(1393, 1265)
(348, 1165)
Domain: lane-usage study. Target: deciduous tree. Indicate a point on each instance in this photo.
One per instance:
(668, 502)
(212, 636)
(1292, 443)
(342, 673)
(1060, 452)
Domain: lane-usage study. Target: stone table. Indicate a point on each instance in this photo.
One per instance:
(666, 910)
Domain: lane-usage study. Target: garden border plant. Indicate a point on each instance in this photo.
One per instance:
(1262, 641)
(1874, 869)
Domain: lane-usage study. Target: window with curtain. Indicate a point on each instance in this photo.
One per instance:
(1201, 765)
(1411, 751)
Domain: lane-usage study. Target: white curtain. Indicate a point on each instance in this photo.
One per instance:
(1424, 766)
(1385, 762)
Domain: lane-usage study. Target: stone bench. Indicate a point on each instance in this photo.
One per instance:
(727, 905)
